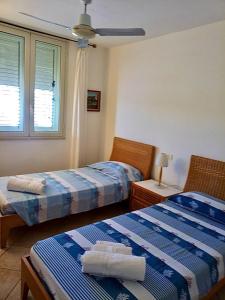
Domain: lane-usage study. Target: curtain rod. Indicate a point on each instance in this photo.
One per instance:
(49, 34)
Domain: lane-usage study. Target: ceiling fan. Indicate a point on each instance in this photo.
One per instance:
(84, 31)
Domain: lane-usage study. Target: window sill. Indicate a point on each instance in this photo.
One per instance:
(11, 137)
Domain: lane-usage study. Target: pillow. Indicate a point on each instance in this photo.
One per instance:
(202, 204)
(116, 168)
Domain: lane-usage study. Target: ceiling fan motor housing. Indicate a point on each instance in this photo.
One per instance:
(86, 1)
(85, 19)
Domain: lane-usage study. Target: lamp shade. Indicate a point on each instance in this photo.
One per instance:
(163, 160)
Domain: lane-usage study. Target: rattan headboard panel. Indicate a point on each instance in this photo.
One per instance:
(206, 175)
(136, 154)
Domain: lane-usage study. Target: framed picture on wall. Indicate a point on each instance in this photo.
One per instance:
(93, 100)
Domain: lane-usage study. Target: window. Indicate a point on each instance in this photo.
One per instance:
(11, 82)
(46, 93)
(31, 84)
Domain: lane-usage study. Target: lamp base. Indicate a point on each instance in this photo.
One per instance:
(160, 186)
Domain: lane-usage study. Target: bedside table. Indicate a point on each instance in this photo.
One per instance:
(146, 193)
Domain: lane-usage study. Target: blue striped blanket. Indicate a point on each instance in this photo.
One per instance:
(72, 191)
(184, 251)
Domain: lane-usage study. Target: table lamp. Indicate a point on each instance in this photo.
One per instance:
(163, 163)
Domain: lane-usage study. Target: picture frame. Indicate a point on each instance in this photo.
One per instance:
(93, 100)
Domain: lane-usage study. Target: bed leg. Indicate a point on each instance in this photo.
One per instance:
(3, 234)
(31, 282)
(24, 285)
(24, 290)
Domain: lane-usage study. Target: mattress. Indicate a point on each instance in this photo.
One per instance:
(70, 191)
(184, 251)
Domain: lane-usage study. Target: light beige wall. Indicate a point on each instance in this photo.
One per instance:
(170, 92)
(25, 156)
(97, 75)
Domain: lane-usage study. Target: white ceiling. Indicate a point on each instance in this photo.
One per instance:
(157, 17)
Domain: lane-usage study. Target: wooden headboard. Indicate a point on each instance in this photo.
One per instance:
(136, 154)
(206, 175)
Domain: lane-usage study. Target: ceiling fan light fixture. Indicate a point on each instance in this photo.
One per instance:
(83, 31)
(73, 33)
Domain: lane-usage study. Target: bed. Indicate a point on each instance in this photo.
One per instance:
(75, 191)
(184, 248)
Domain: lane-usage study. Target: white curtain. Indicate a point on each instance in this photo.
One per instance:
(79, 113)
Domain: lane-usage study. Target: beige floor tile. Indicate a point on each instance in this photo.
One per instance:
(11, 258)
(15, 293)
(2, 251)
(9, 280)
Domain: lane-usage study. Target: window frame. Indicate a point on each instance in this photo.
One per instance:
(29, 82)
(61, 44)
(26, 36)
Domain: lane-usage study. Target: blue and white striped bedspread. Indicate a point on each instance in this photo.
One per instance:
(184, 251)
(72, 191)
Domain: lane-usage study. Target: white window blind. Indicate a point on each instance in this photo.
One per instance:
(47, 83)
(11, 82)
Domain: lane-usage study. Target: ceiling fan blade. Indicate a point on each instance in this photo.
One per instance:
(120, 31)
(46, 21)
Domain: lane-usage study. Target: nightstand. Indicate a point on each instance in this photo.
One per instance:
(147, 193)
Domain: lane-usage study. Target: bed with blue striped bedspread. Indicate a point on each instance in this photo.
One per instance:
(71, 191)
(184, 251)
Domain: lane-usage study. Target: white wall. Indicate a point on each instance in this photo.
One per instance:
(24, 156)
(170, 92)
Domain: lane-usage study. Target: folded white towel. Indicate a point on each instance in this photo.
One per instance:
(112, 249)
(37, 179)
(27, 186)
(3, 201)
(110, 243)
(128, 267)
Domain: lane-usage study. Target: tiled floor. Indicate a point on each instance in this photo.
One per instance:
(21, 239)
